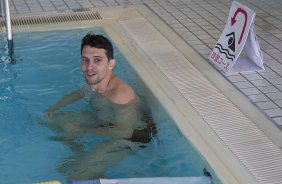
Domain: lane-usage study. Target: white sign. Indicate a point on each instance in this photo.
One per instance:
(237, 49)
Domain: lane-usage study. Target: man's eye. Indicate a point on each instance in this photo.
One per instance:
(97, 60)
(84, 60)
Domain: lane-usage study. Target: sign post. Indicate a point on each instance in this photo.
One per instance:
(237, 49)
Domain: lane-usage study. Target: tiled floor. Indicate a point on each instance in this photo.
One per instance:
(200, 23)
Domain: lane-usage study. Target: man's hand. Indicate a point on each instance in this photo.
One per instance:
(49, 114)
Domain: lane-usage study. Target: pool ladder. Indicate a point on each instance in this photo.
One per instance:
(5, 8)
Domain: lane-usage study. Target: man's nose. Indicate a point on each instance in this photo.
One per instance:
(92, 64)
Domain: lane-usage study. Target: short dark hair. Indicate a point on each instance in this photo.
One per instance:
(99, 42)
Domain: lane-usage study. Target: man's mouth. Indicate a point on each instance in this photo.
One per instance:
(91, 74)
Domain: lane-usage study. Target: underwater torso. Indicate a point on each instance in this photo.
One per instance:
(110, 113)
(128, 115)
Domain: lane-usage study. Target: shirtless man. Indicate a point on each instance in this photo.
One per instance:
(115, 111)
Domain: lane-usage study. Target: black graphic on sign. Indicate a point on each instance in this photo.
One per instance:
(224, 51)
(231, 41)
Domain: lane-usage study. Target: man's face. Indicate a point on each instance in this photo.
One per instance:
(95, 64)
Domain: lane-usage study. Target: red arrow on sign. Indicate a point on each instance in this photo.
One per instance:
(233, 21)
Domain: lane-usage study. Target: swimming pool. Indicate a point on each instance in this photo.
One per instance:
(47, 67)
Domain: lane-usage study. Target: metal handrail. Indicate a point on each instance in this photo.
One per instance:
(8, 20)
(8, 25)
(2, 8)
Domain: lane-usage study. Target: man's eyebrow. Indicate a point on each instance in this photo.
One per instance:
(85, 57)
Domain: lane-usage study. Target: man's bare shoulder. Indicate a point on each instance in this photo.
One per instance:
(122, 93)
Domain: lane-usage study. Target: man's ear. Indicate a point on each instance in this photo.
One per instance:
(112, 64)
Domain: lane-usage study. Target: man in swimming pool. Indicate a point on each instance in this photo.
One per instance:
(115, 111)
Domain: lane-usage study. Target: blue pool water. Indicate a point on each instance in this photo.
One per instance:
(47, 67)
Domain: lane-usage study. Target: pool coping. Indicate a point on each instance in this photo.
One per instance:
(220, 157)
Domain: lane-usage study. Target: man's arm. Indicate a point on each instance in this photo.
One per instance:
(123, 125)
(67, 99)
(112, 131)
